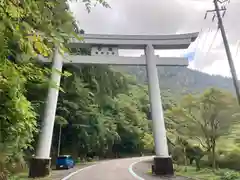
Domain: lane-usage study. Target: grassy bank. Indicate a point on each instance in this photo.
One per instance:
(24, 176)
(207, 174)
(55, 174)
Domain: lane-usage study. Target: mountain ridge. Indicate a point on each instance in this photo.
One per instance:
(182, 80)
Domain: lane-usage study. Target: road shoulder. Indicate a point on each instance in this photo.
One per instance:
(142, 169)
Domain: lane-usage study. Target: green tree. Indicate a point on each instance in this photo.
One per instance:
(109, 103)
(27, 28)
(204, 118)
(148, 142)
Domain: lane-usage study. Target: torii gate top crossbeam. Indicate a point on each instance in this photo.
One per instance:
(176, 41)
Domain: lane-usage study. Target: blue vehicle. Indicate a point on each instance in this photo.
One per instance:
(65, 162)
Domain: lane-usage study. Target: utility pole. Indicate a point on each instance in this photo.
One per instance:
(225, 41)
(60, 134)
(59, 139)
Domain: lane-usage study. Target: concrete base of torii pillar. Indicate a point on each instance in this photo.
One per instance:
(162, 166)
(162, 162)
(39, 167)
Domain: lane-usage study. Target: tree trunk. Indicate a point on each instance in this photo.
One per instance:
(185, 159)
(213, 155)
(185, 156)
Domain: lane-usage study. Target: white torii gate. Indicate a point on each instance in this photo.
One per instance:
(104, 50)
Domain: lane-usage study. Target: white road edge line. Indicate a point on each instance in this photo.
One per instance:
(130, 169)
(73, 173)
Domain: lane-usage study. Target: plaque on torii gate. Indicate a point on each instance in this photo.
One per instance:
(104, 50)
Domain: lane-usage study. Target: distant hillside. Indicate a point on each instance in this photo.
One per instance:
(181, 80)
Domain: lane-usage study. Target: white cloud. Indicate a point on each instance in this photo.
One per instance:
(221, 66)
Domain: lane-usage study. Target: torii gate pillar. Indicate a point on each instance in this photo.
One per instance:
(162, 162)
(40, 165)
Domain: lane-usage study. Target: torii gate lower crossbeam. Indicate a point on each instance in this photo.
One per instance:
(162, 162)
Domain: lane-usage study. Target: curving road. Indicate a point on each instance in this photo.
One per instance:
(119, 169)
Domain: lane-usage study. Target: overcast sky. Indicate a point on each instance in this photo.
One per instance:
(168, 17)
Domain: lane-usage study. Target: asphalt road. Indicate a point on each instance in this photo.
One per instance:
(108, 170)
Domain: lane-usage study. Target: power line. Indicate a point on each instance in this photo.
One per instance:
(206, 37)
(205, 34)
(199, 40)
(202, 37)
(213, 40)
(238, 43)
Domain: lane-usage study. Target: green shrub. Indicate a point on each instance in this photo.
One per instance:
(230, 175)
(178, 155)
(177, 168)
(78, 160)
(224, 160)
(230, 160)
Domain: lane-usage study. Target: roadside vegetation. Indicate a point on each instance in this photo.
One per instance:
(102, 112)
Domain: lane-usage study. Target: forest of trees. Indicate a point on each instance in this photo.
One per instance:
(100, 107)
